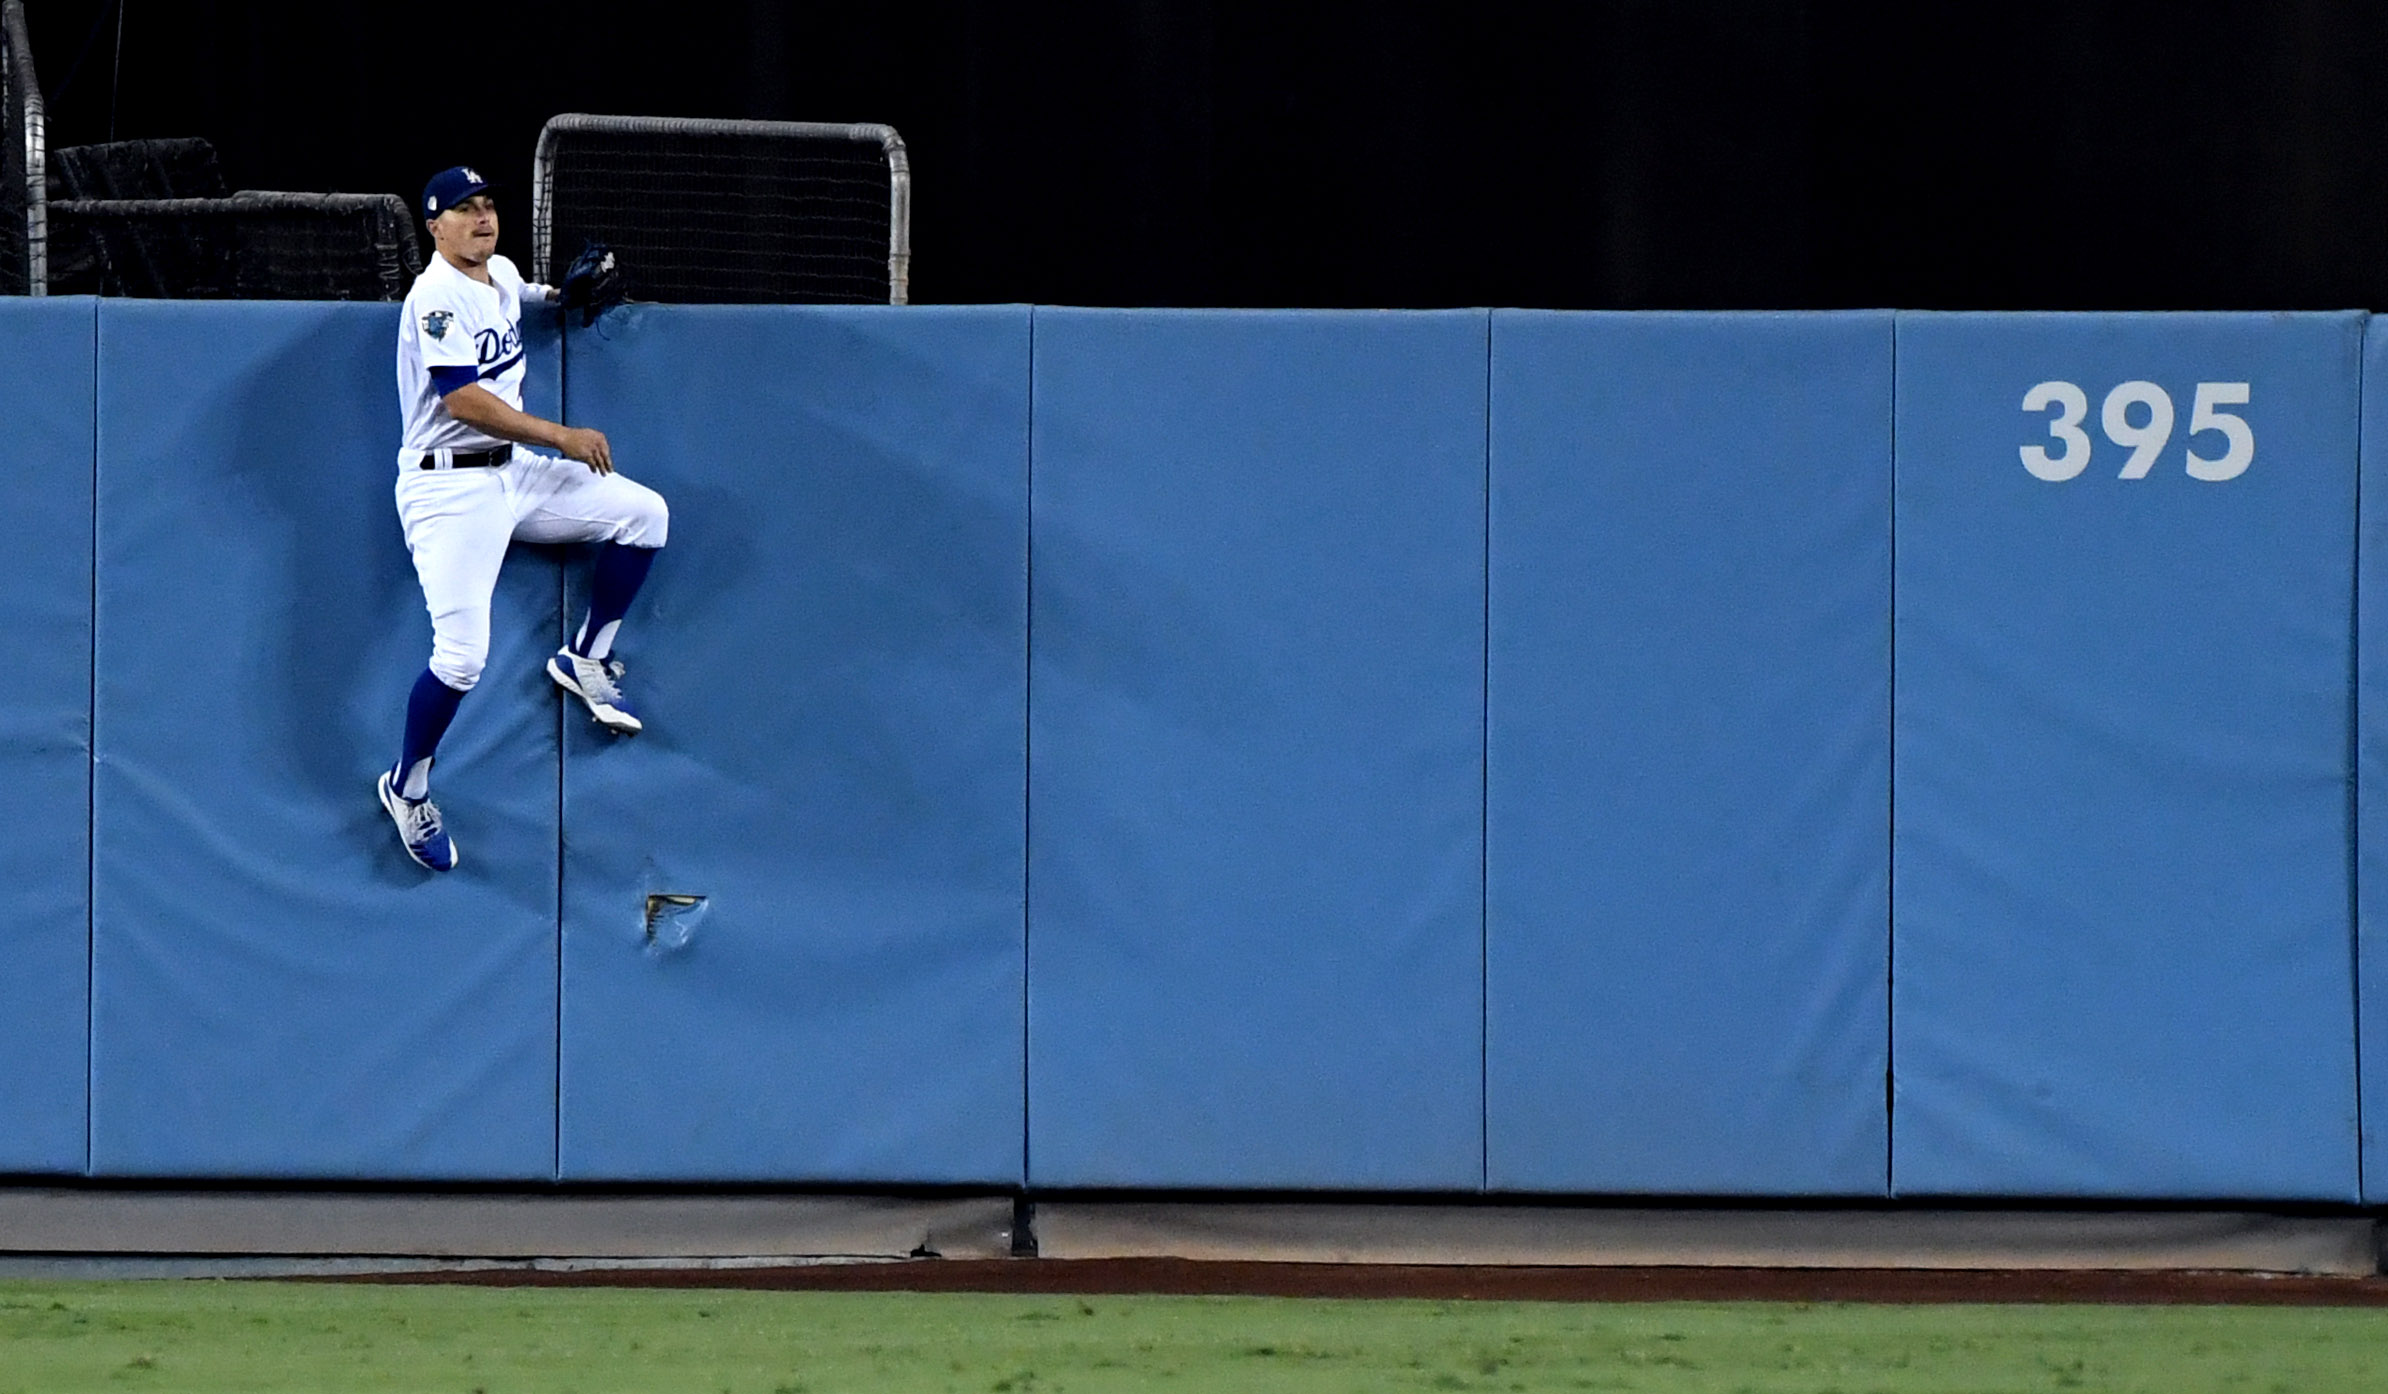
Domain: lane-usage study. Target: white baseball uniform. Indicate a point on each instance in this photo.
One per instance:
(458, 519)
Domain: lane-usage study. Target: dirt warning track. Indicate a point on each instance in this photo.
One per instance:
(1464, 1283)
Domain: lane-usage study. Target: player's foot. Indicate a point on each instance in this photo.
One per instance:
(419, 827)
(597, 682)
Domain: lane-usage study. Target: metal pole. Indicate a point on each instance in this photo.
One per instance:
(899, 218)
(37, 151)
(37, 199)
(543, 170)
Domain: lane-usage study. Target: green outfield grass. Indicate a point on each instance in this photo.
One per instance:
(257, 1337)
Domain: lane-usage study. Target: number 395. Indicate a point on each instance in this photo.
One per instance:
(2145, 440)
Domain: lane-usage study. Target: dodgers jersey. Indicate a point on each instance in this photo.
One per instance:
(454, 330)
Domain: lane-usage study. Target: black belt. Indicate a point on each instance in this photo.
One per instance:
(471, 459)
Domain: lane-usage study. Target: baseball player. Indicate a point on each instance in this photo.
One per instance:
(466, 488)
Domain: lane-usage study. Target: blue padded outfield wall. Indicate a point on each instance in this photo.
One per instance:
(832, 661)
(1255, 750)
(1689, 781)
(2371, 754)
(273, 993)
(2123, 952)
(45, 730)
(1437, 752)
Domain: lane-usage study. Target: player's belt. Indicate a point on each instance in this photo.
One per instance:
(468, 459)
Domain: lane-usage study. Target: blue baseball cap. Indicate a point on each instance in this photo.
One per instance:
(450, 187)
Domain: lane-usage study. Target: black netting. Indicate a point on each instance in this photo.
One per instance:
(252, 246)
(178, 168)
(725, 219)
(136, 258)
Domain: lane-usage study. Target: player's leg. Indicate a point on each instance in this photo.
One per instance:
(614, 582)
(457, 526)
(630, 522)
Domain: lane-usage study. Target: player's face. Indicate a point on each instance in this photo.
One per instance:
(469, 231)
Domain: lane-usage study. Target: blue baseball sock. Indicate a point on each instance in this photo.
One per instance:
(429, 709)
(620, 572)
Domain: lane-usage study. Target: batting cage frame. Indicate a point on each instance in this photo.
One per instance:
(554, 136)
(28, 118)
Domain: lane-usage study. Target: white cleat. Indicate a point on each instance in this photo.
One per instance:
(419, 826)
(598, 683)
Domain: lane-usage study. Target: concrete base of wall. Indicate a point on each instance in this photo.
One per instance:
(454, 1226)
(1730, 1238)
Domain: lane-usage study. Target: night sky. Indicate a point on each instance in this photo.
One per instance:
(2087, 155)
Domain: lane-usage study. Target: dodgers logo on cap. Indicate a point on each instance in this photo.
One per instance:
(452, 186)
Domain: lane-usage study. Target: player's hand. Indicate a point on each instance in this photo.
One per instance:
(588, 446)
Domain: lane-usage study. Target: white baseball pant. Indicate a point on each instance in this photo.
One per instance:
(459, 521)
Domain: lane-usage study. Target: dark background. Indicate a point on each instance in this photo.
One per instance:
(1619, 153)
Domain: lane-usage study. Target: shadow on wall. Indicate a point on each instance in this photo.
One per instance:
(344, 632)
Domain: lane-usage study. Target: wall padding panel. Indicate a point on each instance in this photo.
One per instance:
(45, 730)
(2122, 962)
(277, 990)
(1688, 853)
(1255, 820)
(832, 661)
(2371, 773)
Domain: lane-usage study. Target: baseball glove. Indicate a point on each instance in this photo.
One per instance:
(594, 283)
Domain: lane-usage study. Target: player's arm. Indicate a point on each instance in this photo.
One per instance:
(478, 407)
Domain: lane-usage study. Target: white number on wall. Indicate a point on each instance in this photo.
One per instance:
(2146, 438)
(2065, 426)
(2234, 429)
(2144, 442)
